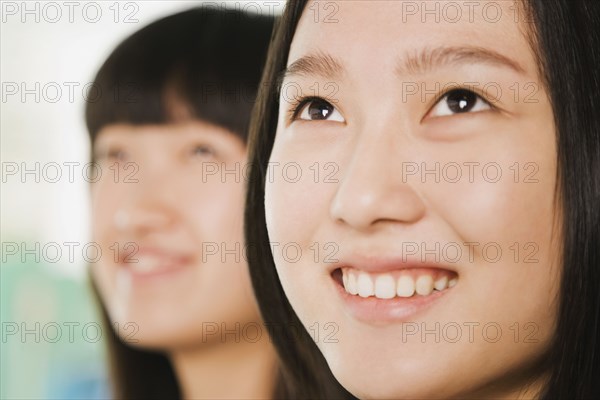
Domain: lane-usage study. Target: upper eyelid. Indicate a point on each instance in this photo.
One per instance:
(204, 146)
(302, 102)
(108, 151)
(103, 151)
(445, 94)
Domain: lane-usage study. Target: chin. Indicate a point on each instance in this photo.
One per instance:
(393, 387)
(143, 331)
(381, 378)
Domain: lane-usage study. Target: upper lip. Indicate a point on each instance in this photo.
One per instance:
(383, 263)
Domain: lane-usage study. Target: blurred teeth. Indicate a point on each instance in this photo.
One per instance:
(402, 284)
(146, 263)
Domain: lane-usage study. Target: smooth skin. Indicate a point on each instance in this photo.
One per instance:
(376, 128)
(163, 192)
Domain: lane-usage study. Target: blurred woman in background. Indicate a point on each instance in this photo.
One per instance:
(167, 132)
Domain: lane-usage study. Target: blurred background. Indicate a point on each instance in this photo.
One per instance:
(52, 342)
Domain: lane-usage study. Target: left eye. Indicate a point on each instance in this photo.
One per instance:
(319, 109)
(202, 151)
(459, 101)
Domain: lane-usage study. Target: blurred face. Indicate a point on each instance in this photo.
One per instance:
(425, 211)
(169, 222)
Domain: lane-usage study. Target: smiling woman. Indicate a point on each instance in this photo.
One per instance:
(176, 102)
(465, 208)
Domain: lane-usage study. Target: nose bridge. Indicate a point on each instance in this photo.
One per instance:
(371, 189)
(150, 203)
(377, 141)
(152, 173)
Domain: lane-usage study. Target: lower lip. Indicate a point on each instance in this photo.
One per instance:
(373, 310)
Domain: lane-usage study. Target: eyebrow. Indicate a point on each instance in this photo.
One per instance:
(428, 59)
(317, 64)
(328, 67)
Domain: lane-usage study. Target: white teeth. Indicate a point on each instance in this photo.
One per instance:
(406, 286)
(144, 264)
(441, 283)
(385, 287)
(365, 285)
(424, 285)
(352, 287)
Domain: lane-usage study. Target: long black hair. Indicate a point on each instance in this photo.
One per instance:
(565, 35)
(568, 39)
(208, 60)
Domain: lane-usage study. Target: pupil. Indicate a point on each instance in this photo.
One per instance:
(319, 110)
(461, 101)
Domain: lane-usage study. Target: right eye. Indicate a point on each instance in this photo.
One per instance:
(459, 101)
(202, 151)
(112, 154)
(318, 110)
(116, 155)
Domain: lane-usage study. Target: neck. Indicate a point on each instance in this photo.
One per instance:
(226, 370)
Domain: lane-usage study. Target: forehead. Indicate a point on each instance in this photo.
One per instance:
(376, 34)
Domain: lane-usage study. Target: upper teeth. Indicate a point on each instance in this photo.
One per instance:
(402, 284)
(147, 263)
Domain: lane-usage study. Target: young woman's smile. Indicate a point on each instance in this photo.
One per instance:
(154, 261)
(157, 224)
(378, 289)
(392, 95)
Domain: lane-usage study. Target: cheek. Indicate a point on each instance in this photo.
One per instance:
(106, 198)
(105, 203)
(297, 198)
(295, 212)
(213, 216)
(214, 211)
(516, 279)
(507, 195)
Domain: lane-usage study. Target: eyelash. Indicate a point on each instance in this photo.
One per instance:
(460, 88)
(110, 154)
(299, 103)
(207, 150)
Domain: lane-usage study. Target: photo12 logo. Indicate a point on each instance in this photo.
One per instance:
(69, 331)
(53, 12)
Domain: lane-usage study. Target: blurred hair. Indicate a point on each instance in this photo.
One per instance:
(207, 61)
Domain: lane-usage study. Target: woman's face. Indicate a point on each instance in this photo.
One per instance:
(424, 213)
(168, 215)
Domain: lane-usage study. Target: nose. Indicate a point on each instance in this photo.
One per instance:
(149, 206)
(371, 190)
(140, 220)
